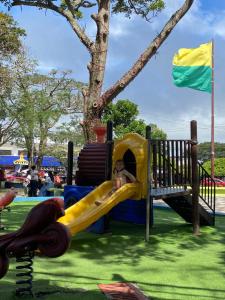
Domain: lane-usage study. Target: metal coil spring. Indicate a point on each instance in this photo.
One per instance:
(26, 273)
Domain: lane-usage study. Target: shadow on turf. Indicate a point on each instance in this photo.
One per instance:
(44, 289)
(126, 244)
(183, 291)
(15, 217)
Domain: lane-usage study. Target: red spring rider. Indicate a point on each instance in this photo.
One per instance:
(5, 200)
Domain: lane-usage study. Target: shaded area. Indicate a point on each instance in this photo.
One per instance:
(46, 290)
(173, 265)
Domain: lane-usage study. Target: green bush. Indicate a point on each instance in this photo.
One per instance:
(219, 167)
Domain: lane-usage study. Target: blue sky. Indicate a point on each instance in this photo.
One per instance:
(51, 41)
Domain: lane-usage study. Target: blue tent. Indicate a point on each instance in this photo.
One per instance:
(48, 161)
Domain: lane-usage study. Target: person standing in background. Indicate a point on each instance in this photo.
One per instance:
(26, 183)
(2, 178)
(47, 184)
(57, 180)
(33, 182)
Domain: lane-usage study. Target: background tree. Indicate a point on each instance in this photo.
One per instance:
(94, 99)
(68, 131)
(219, 167)
(37, 102)
(124, 115)
(10, 37)
(204, 150)
(7, 127)
(10, 45)
(61, 135)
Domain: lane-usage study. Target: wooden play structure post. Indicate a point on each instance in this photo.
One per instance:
(195, 178)
(69, 179)
(149, 199)
(109, 149)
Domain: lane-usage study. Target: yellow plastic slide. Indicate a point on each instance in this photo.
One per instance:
(85, 212)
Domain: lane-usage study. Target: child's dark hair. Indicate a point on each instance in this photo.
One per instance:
(117, 161)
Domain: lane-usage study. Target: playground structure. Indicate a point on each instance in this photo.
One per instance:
(164, 169)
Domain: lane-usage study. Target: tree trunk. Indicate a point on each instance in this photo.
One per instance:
(41, 148)
(88, 124)
(30, 150)
(96, 67)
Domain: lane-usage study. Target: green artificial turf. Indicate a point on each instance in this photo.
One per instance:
(173, 265)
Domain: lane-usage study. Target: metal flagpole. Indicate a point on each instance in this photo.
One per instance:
(212, 116)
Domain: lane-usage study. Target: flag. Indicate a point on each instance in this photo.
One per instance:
(193, 68)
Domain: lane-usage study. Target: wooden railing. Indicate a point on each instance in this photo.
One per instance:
(172, 167)
(171, 163)
(207, 189)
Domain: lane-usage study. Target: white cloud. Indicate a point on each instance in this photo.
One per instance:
(199, 20)
(119, 26)
(43, 68)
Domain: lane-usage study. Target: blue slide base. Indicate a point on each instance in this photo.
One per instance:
(72, 194)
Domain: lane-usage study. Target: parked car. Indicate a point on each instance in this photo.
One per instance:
(210, 182)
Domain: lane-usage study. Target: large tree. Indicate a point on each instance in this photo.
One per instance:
(124, 114)
(37, 102)
(10, 45)
(10, 37)
(94, 98)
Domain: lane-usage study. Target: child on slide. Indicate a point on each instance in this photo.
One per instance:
(120, 177)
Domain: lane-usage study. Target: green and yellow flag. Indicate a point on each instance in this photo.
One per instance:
(193, 68)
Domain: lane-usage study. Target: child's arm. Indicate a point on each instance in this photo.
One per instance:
(130, 176)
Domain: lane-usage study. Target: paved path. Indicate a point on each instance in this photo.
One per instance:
(220, 204)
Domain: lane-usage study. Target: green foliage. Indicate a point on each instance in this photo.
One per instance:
(157, 5)
(10, 46)
(219, 167)
(124, 115)
(10, 35)
(68, 131)
(139, 7)
(204, 150)
(37, 102)
(127, 7)
(123, 112)
(61, 135)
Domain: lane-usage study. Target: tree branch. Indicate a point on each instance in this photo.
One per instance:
(68, 14)
(39, 4)
(79, 32)
(58, 83)
(123, 82)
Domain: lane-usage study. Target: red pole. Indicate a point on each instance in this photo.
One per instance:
(212, 116)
